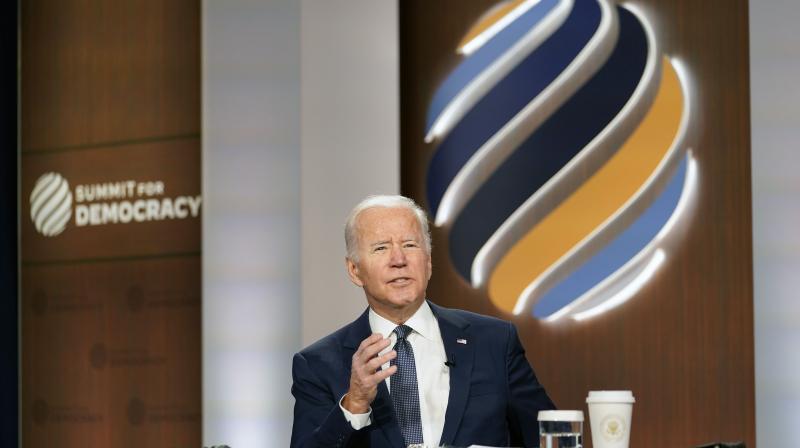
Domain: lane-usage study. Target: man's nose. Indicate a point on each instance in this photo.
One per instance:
(398, 257)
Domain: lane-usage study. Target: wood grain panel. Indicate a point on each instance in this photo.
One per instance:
(684, 343)
(96, 71)
(110, 351)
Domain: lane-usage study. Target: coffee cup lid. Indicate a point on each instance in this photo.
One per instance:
(610, 396)
(560, 416)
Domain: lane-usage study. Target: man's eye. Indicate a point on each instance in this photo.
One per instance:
(410, 245)
(380, 248)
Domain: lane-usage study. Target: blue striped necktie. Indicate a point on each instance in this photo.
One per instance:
(405, 393)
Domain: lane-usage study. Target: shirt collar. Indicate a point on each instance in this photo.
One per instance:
(423, 322)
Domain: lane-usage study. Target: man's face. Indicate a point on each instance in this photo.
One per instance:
(393, 265)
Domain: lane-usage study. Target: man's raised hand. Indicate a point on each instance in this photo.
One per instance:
(364, 373)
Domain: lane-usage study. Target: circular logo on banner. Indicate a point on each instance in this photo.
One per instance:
(136, 411)
(51, 204)
(98, 356)
(41, 411)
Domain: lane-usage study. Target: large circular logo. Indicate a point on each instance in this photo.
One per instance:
(51, 204)
(559, 156)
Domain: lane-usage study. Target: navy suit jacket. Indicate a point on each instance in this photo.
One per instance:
(494, 394)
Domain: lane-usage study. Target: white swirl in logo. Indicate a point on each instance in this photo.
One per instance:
(51, 204)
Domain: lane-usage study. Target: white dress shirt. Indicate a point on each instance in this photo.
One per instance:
(433, 376)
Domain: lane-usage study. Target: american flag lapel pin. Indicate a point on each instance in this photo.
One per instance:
(461, 341)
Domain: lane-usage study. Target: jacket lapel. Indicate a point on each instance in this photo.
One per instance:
(382, 409)
(460, 351)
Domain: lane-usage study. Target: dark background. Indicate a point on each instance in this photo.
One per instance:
(684, 343)
(9, 335)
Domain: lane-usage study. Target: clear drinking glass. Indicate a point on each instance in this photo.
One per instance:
(560, 429)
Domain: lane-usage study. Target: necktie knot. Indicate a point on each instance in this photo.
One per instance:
(402, 331)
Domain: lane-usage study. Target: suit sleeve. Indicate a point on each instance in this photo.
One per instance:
(526, 396)
(318, 419)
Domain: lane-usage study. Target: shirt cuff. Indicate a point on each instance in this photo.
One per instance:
(357, 421)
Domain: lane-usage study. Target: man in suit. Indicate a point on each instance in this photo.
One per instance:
(409, 372)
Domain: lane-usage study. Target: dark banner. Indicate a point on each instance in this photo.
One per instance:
(111, 207)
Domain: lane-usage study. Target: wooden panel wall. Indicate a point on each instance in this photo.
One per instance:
(684, 343)
(110, 92)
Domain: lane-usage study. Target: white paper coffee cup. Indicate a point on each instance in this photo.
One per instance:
(610, 417)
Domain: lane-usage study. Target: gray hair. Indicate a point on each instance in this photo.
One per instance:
(386, 201)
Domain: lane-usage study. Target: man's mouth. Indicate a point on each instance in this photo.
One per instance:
(400, 281)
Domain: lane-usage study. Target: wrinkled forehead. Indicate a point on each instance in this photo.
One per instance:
(385, 223)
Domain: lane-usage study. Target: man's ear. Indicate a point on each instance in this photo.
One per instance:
(430, 268)
(353, 272)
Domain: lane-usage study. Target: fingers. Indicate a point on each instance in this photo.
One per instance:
(378, 361)
(364, 374)
(385, 373)
(366, 361)
(373, 338)
(371, 346)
